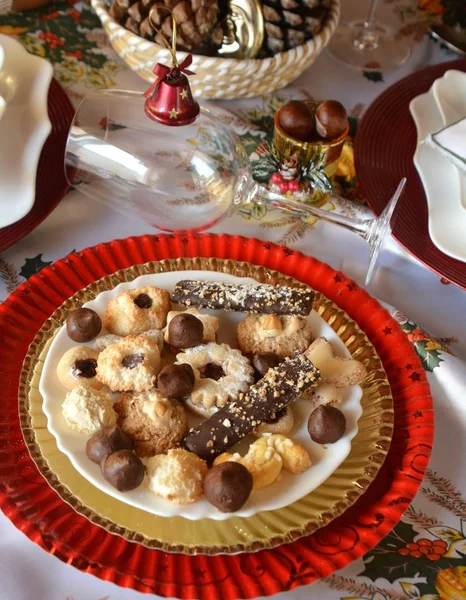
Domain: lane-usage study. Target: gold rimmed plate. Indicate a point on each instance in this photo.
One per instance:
(176, 534)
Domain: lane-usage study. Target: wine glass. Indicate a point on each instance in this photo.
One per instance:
(369, 45)
(181, 178)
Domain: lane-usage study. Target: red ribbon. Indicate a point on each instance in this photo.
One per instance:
(162, 71)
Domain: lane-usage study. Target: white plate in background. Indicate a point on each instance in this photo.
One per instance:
(450, 95)
(24, 127)
(441, 181)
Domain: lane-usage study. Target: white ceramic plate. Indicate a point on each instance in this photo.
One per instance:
(441, 181)
(288, 489)
(450, 95)
(24, 127)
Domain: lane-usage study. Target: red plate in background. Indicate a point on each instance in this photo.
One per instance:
(51, 184)
(38, 511)
(384, 148)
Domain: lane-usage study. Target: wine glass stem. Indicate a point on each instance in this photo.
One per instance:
(368, 38)
(362, 227)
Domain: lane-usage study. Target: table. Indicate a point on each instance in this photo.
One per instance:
(406, 564)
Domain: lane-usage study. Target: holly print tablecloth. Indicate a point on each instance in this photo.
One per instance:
(425, 555)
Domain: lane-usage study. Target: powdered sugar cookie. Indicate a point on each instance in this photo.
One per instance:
(87, 410)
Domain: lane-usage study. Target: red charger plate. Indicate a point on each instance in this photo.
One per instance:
(383, 153)
(38, 511)
(51, 184)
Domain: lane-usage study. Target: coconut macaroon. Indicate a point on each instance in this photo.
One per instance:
(136, 311)
(86, 410)
(130, 364)
(177, 476)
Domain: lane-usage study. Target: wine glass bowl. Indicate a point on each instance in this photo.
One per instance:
(181, 178)
(176, 178)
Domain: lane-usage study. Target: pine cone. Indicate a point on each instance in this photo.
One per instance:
(197, 21)
(290, 23)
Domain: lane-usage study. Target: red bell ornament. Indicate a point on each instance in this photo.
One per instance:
(169, 99)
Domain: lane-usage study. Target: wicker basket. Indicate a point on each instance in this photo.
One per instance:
(221, 77)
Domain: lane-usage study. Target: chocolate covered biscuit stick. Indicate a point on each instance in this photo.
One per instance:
(276, 389)
(261, 299)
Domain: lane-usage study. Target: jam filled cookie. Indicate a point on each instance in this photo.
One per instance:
(177, 476)
(280, 335)
(154, 423)
(129, 365)
(78, 367)
(138, 310)
(209, 322)
(87, 410)
(221, 374)
(282, 422)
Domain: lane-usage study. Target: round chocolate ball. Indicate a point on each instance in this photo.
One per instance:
(123, 469)
(176, 381)
(331, 119)
(83, 325)
(326, 424)
(106, 441)
(227, 486)
(185, 331)
(263, 362)
(297, 120)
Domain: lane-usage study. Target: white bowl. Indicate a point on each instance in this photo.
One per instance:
(24, 126)
(284, 491)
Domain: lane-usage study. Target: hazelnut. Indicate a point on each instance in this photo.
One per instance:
(160, 409)
(331, 119)
(272, 323)
(296, 119)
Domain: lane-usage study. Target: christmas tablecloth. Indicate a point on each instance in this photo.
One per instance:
(425, 555)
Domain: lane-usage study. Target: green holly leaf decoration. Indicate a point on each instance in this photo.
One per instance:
(374, 76)
(262, 170)
(253, 211)
(250, 142)
(410, 589)
(266, 165)
(33, 266)
(398, 556)
(315, 174)
(68, 38)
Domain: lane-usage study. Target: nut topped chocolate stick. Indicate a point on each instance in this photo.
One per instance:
(276, 389)
(262, 299)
